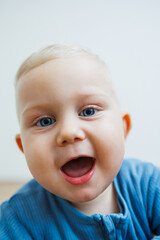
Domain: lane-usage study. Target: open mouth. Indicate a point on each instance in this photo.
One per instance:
(79, 170)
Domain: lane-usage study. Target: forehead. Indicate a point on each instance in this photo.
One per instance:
(64, 76)
(79, 69)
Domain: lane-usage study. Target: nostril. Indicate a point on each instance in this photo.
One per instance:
(64, 142)
(76, 139)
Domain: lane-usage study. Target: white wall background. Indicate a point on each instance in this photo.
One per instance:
(124, 33)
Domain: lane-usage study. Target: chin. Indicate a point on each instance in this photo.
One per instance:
(84, 196)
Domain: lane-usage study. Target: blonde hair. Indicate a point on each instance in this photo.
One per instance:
(57, 50)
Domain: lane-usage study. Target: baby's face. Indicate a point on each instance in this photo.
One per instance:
(72, 130)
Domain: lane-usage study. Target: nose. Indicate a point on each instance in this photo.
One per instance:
(69, 134)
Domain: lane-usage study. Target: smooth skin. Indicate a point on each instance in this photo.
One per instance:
(52, 106)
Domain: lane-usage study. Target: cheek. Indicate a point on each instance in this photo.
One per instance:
(37, 152)
(109, 143)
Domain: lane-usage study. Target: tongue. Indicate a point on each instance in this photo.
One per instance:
(78, 167)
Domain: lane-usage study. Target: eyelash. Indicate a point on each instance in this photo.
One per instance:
(50, 120)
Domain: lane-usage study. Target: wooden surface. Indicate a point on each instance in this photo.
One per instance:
(7, 189)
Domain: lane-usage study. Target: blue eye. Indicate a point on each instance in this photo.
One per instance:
(45, 122)
(88, 112)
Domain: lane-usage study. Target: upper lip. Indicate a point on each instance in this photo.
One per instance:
(77, 156)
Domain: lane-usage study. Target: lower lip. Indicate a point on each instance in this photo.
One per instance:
(79, 180)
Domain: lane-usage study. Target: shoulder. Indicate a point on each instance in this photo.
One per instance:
(138, 179)
(31, 203)
(29, 191)
(134, 168)
(137, 186)
(27, 200)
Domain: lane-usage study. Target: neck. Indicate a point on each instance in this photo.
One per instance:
(105, 203)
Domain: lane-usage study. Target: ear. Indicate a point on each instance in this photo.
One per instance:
(19, 142)
(126, 123)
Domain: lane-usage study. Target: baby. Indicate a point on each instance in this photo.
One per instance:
(72, 133)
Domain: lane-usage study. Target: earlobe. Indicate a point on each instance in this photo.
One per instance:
(19, 142)
(126, 123)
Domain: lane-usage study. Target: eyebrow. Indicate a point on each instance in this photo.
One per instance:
(92, 91)
(45, 106)
(98, 94)
(34, 107)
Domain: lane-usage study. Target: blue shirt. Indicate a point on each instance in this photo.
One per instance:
(35, 213)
